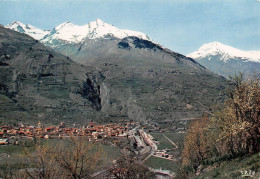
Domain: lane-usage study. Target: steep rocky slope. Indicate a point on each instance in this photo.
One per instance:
(38, 83)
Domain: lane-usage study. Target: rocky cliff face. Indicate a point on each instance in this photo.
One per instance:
(38, 83)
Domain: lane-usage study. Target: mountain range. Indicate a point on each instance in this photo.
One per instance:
(226, 60)
(215, 56)
(70, 33)
(118, 73)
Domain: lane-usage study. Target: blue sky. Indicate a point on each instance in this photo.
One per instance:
(180, 25)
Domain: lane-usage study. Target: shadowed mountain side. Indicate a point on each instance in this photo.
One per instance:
(146, 81)
(38, 83)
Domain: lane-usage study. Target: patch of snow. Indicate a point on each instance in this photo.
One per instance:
(226, 52)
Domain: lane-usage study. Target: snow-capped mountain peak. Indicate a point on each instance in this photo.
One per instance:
(17, 26)
(226, 52)
(66, 32)
(64, 25)
(71, 33)
(27, 29)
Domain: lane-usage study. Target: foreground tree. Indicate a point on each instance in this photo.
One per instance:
(74, 159)
(196, 146)
(238, 123)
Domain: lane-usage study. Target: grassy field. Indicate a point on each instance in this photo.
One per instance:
(159, 163)
(11, 149)
(110, 152)
(164, 143)
(14, 154)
